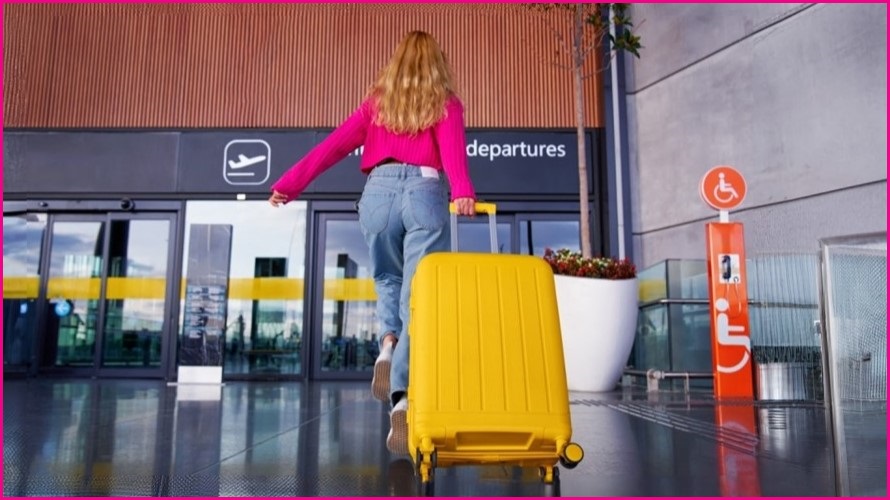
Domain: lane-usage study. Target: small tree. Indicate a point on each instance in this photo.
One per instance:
(591, 25)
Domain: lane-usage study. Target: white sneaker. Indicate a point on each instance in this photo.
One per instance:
(380, 381)
(397, 439)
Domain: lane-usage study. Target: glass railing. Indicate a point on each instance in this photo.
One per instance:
(674, 330)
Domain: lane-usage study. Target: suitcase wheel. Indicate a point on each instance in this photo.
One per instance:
(550, 478)
(427, 489)
(426, 472)
(549, 474)
(571, 455)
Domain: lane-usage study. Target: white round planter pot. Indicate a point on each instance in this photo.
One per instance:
(598, 319)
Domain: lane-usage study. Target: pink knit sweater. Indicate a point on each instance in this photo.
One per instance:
(442, 146)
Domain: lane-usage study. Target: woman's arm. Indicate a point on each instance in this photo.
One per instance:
(342, 141)
(451, 138)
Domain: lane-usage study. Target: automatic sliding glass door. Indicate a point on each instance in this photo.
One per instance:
(344, 325)
(23, 236)
(73, 292)
(106, 293)
(135, 293)
(344, 301)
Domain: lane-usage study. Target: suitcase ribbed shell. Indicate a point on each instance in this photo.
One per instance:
(487, 375)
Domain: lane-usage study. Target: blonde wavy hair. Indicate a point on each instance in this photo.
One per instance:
(412, 89)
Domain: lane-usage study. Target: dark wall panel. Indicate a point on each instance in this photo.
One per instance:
(102, 162)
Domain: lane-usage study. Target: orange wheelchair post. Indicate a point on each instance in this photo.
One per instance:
(730, 334)
(723, 188)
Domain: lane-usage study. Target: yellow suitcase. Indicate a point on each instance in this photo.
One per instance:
(487, 379)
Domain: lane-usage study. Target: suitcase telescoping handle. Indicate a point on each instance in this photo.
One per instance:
(488, 208)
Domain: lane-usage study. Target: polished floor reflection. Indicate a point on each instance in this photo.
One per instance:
(145, 438)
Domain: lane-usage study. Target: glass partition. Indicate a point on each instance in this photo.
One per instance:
(73, 291)
(349, 327)
(474, 236)
(674, 331)
(135, 296)
(264, 325)
(535, 236)
(22, 240)
(854, 292)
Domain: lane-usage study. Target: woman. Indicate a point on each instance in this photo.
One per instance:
(412, 128)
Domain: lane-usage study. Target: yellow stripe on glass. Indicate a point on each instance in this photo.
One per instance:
(21, 288)
(652, 289)
(73, 288)
(154, 288)
(349, 289)
(135, 288)
(265, 289)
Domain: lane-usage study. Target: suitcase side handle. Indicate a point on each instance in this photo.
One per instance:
(488, 208)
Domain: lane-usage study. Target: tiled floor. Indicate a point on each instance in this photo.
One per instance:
(145, 438)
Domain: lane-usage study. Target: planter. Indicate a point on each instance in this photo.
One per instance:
(598, 319)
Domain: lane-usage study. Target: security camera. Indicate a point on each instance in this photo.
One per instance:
(127, 204)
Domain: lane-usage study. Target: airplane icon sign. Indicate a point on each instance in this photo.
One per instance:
(246, 162)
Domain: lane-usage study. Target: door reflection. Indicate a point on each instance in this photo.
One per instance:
(72, 293)
(264, 324)
(535, 236)
(135, 296)
(349, 320)
(22, 239)
(474, 236)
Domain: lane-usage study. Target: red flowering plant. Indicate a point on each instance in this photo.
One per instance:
(570, 263)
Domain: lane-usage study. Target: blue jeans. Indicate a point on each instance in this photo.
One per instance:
(403, 216)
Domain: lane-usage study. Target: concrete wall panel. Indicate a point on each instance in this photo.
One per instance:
(685, 33)
(799, 107)
(795, 226)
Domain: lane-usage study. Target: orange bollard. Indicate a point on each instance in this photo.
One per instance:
(730, 334)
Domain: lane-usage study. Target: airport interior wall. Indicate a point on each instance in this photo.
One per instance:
(792, 95)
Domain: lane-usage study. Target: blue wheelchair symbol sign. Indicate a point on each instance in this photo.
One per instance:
(63, 308)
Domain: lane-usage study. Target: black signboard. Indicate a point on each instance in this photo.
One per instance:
(227, 162)
(233, 162)
(500, 162)
(525, 162)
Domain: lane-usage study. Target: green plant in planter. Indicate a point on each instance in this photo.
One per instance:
(569, 263)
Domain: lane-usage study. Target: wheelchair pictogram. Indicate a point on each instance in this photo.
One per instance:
(725, 336)
(724, 191)
(723, 188)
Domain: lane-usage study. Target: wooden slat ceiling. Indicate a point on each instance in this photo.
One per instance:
(272, 65)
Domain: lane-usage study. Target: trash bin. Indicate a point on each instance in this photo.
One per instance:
(788, 374)
(782, 381)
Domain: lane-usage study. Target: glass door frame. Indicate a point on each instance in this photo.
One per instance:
(315, 291)
(554, 210)
(170, 327)
(526, 217)
(45, 340)
(28, 368)
(106, 213)
(514, 213)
